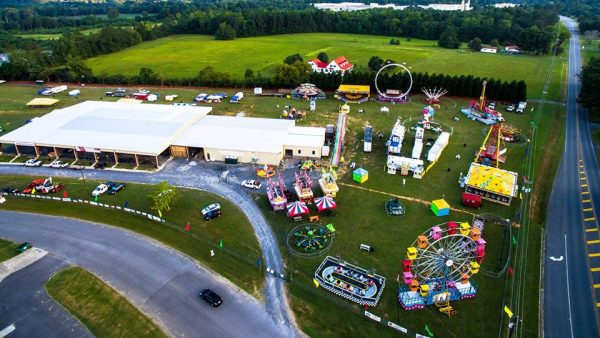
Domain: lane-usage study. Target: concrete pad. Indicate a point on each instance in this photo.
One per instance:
(20, 261)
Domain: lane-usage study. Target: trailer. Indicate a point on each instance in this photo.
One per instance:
(440, 144)
(237, 97)
(54, 90)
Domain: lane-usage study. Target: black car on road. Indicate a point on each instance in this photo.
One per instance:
(211, 297)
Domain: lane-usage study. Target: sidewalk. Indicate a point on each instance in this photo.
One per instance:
(20, 261)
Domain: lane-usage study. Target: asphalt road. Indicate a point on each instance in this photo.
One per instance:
(26, 304)
(569, 299)
(183, 174)
(156, 279)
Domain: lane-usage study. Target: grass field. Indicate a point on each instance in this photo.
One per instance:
(54, 36)
(232, 227)
(7, 250)
(100, 308)
(590, 50)
(184, 56)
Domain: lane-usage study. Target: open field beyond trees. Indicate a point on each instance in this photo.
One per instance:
(182, 56)
(100, 308)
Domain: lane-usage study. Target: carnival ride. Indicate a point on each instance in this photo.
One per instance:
(265, 171)
(493, 149)
(432, 96)
(277, 193)
(310, 240)
(307, 91)
(336, 154)
(478, 111)
(395, 95)
(350, 281)
(491, 183)
(439, 265)
(303, 187)
(394, 144)
(427, 120)
(327, 182)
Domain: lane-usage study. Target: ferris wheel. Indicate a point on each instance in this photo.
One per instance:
(448, 254)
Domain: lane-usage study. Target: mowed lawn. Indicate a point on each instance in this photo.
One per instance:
(100, 308)
(185, 55)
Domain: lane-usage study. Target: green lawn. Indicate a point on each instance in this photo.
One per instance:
(7, 250)
(241, 249)
(184, 55)
(590, 50)
(99, 307)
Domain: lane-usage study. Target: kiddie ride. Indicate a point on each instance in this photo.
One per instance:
(277, 193)
(265, 171)
(303, 187)
(328, 184)
(439, 265)
(44, 186)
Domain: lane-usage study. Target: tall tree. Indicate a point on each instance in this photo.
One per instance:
(475, 44)
(590, 86)
(449, 39)
(225, 32)
(164, 197)
(323, 57)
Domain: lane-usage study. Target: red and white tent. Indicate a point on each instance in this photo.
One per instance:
(296, 209)
(325, 203)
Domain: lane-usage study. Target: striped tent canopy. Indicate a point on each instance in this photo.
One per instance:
(296, 209)
(325, 203)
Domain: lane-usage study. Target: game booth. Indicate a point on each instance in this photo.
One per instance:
(350, 281)
(353, 93)
(491, 183)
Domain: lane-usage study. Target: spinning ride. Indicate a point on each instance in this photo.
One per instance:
(265, 171)
(277, 193)
(439, 265)
(303, 187)
(395, 95)
(310, 240)
(328, 184)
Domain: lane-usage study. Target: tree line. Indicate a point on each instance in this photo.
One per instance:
(590, 87)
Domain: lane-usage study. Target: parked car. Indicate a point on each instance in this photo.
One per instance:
(23, 247)
(211, 297)
(211, 211)
(9, 189)
(58, 164)
(492, 105)
(115, 188)
(101, 189)
(251, 184)
(511, 107)
(32, 163)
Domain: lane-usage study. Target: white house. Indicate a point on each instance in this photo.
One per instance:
(338, 65)
(512, 49)
(489, 49)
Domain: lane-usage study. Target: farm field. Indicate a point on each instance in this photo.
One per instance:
(361, 218)
(100, 308)
(185, 55)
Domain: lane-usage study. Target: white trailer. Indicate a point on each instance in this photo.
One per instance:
(368, 139)
(440, 144)
(237, 97)
(54, 90)
(417, 149)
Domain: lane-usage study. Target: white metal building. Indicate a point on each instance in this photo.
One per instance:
(151, 132)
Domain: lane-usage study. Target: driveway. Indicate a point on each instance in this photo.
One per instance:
(26, 304)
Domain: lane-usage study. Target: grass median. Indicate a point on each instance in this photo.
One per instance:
(8, 250)
(99, 307)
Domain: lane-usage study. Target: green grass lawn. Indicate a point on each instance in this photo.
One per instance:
(7, 250)
(184, 55)
(590, 50)
(99, 307)
(238, 263)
